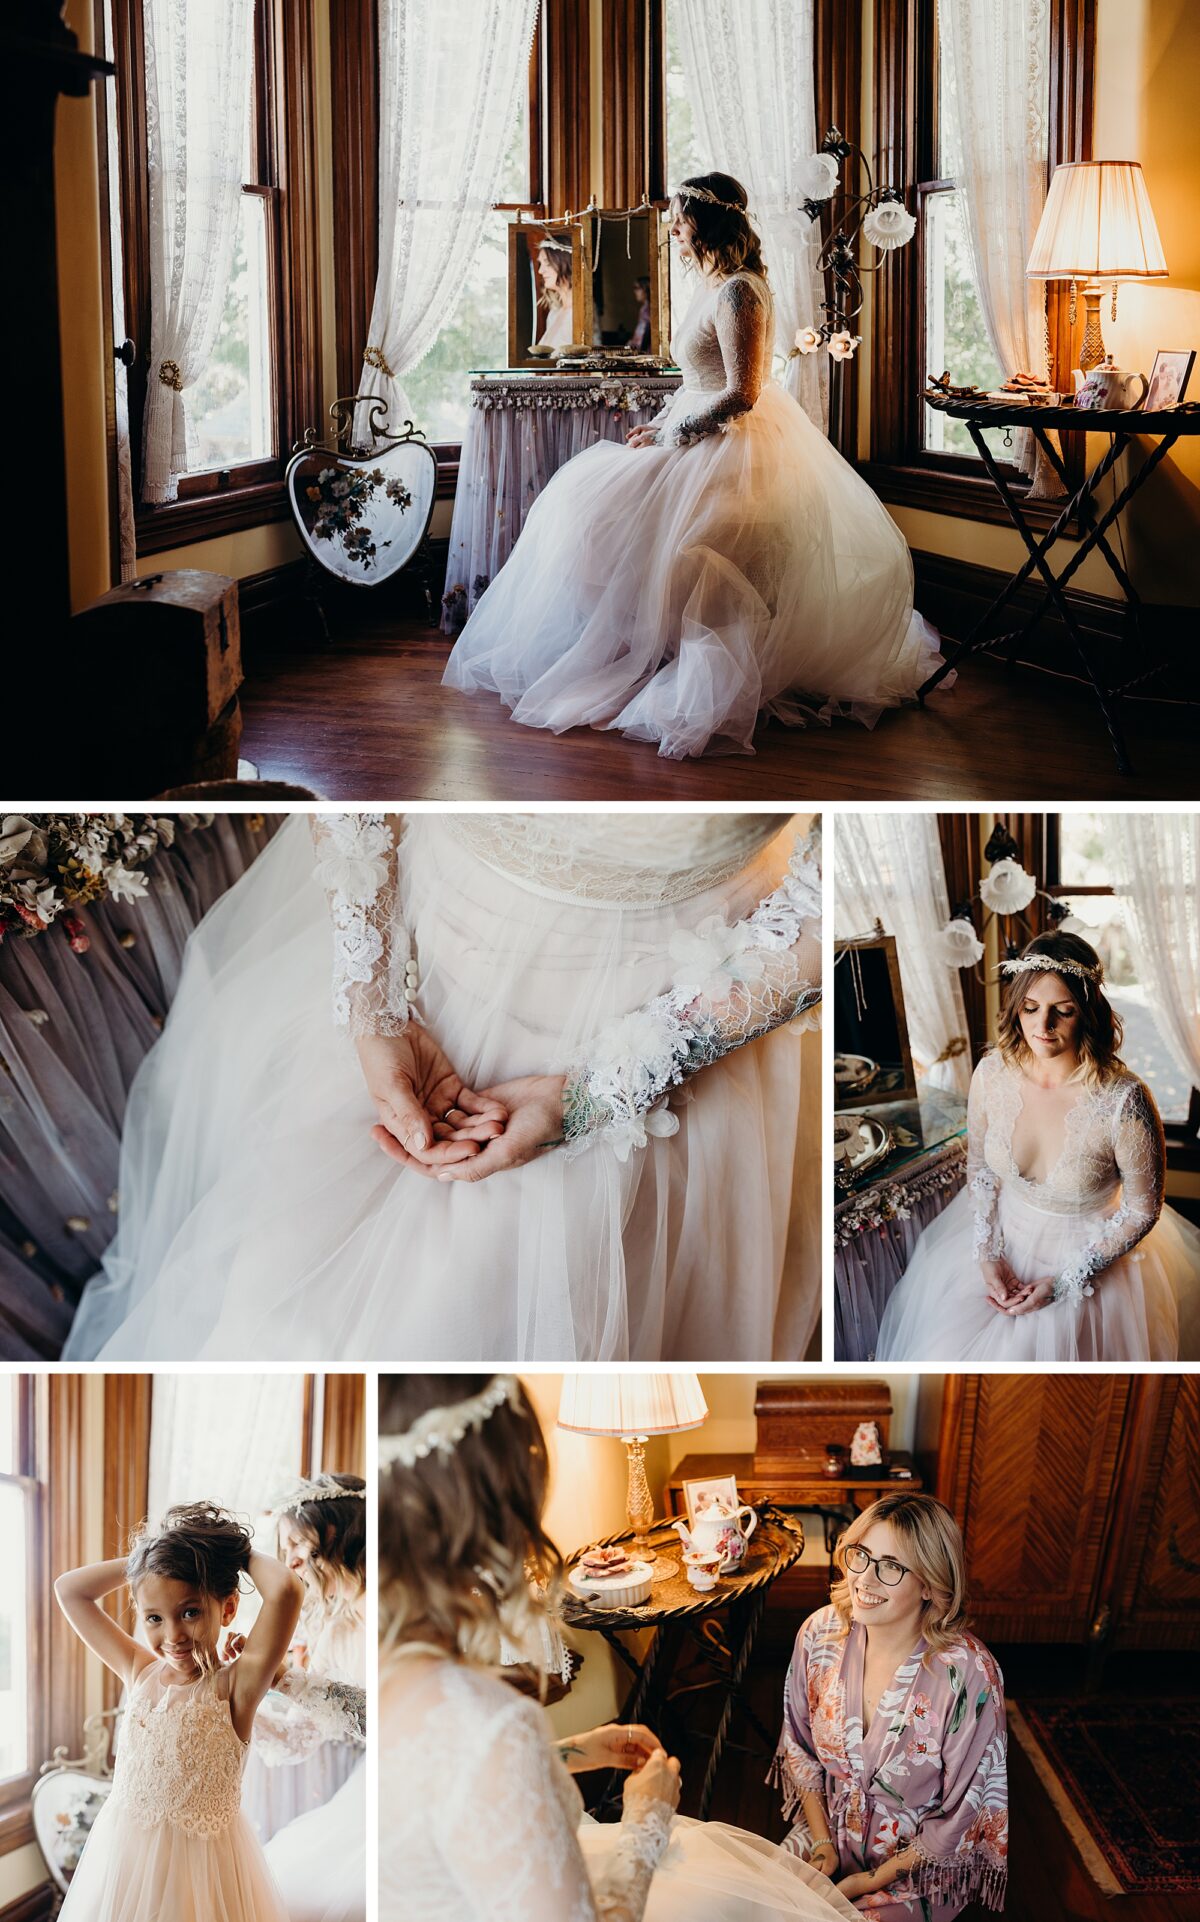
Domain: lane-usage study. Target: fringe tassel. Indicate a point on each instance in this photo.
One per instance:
(971, 1880)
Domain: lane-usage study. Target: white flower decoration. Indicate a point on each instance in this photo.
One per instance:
(1072, 925)
(889, 225)
(818, 177)
(353, 858)
(843, 344)
(957, 944)
(808, 340)
(15, 834)
(625, 1136)
(706, 956)
(1007, 888)
(125, 884)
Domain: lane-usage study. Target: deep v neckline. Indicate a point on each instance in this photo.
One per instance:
(856, 1680)
(1022, 1080)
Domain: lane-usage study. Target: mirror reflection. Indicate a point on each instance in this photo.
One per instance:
(872, 1060)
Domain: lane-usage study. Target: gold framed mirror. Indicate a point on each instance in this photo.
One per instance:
(630, 283)
(549, 293)
(872, 1060)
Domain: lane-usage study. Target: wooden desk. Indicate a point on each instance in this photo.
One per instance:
(789, 1486)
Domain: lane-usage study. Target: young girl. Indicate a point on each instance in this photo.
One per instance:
(171, 1840)
(893, 1748)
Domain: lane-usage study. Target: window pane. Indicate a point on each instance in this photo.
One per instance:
(955, 336)
(14, 1632)
(684, 158)
(1084, 862)
(9, 1395)
(229, 409)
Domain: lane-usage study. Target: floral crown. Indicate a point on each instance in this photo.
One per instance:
(714, 200)
(439, 1430)
(317, 1488)
(1049, 964)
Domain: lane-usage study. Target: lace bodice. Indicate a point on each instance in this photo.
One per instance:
(1068, 1151)
(179, 1759)
(730, 982)
(478, 1815)
(723, 345)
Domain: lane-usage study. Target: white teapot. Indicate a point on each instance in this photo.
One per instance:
(719, 1532)
(1108, 386)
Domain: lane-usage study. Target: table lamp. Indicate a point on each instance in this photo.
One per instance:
(631, 1408)
(1097, 225)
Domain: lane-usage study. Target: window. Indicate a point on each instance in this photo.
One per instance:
(20, 1505)
(683, 152)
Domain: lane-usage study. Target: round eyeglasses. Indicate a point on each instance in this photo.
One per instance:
(891, 1573)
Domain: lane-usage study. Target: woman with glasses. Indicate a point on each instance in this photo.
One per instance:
(893, 1749)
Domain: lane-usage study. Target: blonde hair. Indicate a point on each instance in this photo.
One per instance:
(932, 1546)
(461, 1542)
(1100, 1029)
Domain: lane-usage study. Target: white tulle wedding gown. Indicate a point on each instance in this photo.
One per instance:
(663, 960)
(1064, 1183)
(739, 568)
(480, 1822)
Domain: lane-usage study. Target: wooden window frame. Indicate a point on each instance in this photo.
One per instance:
(228, 500)
(16, 1826)
(904, 84)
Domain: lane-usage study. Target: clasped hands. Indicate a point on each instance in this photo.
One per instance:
(1008, 1295)
(431, 1122)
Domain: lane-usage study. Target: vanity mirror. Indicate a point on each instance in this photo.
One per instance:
(872, 1061)
(548, 304)
(630, 280)
(594, 286)
(362, 507)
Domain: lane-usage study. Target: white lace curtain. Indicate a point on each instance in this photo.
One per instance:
(890, 868)
(750, 80)
(1157, 867)
(998, 62)
(198, 66)
(449, 75)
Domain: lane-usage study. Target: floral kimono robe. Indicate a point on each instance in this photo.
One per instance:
(931, 1772)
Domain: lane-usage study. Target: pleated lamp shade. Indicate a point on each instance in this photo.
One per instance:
(1097, 224)
(631, 1404)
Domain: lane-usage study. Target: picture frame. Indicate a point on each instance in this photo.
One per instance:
(1169, 377)
(699, 1495)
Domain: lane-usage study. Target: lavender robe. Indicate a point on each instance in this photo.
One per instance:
(930, 1773)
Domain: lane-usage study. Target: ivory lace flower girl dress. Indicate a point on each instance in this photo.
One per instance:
(171, 1843)
(738, 568)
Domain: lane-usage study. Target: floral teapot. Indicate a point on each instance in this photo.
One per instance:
(718, 1534)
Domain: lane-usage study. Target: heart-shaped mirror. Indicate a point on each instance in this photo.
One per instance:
(363, 516)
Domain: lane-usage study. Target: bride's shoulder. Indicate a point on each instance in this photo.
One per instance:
(990, 1068)
(1131, 1099)
(745, 289)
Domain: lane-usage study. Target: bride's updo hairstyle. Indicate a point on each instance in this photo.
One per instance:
(932, 1549)
(722, 231)
(197, 1543)
(460, 1532)
(1100, 1030)
(337, 1534)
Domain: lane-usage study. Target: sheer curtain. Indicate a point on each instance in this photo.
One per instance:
(449, 75)
(890, 868)
(198, 65)
(750, 80)
(1158, 869)
(997, 55)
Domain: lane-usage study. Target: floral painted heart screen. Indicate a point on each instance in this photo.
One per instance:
(363, 516)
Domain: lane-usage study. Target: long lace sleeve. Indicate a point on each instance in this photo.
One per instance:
(374, 968)
(512, 1836)
(733, 983)
(741, 323)
(1141, 1158)
(302, 1713)
(982, 1185)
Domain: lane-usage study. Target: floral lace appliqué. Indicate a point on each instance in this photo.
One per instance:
(374, 971)
(180, 1761)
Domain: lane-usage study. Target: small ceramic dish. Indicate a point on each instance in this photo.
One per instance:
(626, 1590)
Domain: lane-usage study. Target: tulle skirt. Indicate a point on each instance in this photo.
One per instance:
(678, 594)
(128, 1873)
(258, 1218)
(711, 1873)
(275, 1795)
(1145, 1307)
(319, 1862)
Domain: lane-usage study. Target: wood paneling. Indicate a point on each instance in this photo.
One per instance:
(837, 33)
(127, 1409)
(1156, 1566)
(61, 1658)
(354, 83)
(343, 1449)
(566, 79)
(626, 119)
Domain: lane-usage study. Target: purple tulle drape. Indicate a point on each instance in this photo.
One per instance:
(868, 1266)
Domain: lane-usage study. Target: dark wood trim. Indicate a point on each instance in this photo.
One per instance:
(354, 80)
(297, 173)
(566, 82)
(959, 836)
(62, 1658)
(837, 34)
(37, 1905)
(895, 311)
(343, 1426)
(127, 1411)
(307, 1425)
(966, 494)
(626, 91)
(203, 517)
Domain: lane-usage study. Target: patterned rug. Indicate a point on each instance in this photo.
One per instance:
(1125, 1780)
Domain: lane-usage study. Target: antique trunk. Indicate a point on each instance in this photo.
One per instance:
(155, 666)
(797, 1419)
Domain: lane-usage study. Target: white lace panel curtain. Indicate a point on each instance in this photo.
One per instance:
(198, 66)
(449, 80)
(998, 59)
(890, 868)
(750, 79)
(1157, 866)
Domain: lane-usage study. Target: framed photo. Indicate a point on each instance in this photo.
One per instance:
(700, 1496)
(1169, 378)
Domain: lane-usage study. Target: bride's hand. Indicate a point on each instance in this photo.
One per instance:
(1038, 1294)
(656, 1782)
(427, 1114)
(641, 437)
(534, 1107)
(617, 1745)
(999, 1283)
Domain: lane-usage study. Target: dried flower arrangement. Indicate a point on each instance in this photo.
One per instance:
(51, 865)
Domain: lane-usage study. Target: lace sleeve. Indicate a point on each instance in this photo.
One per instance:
(374, 968)
(302, 1713)
(514, 1843)
(733, 984)
(741, 322)
(1141, 1157)
(982, 1184)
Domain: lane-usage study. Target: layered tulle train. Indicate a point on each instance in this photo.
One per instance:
(712, 1873)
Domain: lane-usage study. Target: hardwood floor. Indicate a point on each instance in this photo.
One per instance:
(365, 718)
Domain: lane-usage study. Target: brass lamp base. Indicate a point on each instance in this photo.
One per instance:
(1093, 351)
(639, 1511)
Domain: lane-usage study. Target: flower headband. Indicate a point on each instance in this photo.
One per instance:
(1048, 964)
(441, 1429)
(320, 1488)
(714, 200)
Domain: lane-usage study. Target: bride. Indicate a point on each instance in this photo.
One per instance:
(1059, 1248)
(726, 564)
(577, 1041)
(480, 1819)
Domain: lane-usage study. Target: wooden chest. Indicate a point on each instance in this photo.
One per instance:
(797, 1418)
